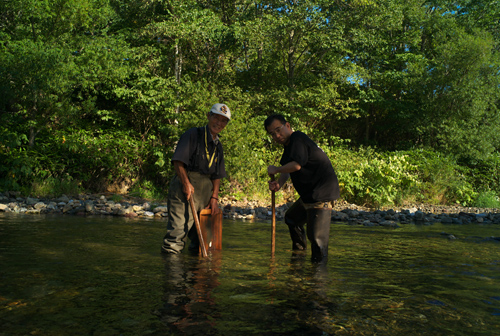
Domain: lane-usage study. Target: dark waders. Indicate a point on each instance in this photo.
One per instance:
(180, 218)
(318, 218)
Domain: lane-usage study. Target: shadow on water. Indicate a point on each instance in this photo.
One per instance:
(106, 276)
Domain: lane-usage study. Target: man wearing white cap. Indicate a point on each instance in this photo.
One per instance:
(199, 165)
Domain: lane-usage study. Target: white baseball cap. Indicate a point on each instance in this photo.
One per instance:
(222, 110)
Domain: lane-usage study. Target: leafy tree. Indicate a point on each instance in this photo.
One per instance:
(292, 60)
(460, 93)
(101, 89)
(398, 51)
(38, 72)
(483, 14)
(37, 78)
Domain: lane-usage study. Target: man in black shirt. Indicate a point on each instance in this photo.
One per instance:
(315, 181)
(199, 165)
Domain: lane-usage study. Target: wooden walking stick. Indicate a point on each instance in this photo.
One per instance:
(198, 228)
(273, 220)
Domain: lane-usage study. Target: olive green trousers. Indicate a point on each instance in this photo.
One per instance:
(180, 218)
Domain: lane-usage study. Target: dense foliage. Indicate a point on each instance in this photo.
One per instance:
(403, 96)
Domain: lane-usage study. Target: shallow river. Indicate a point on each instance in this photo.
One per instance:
(65, 275)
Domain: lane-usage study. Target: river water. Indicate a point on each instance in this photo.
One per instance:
(66, 275)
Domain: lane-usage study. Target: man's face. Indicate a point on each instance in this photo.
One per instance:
(280, 132)
(216, 123)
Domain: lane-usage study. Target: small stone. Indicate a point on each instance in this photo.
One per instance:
(63, 198)
(67, 208)
(89, 207)
(368, 223)
(160, 209)
(40, 205)
(389, 223)
(31, 201)
(419, 215)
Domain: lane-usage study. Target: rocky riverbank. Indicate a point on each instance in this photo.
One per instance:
(119, 205)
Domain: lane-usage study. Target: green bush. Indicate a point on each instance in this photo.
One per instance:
(487, 199)
(51, 187)
(369, 177)
(483, 174)
(444, 181)
(79, 161)
(147, 190)
(248, 151)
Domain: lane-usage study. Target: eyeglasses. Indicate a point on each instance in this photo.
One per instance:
(276, 131)
(219, 118)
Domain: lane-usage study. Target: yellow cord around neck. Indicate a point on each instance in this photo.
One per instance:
(211, 161)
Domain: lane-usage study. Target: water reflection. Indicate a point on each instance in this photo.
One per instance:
(105, 276)
(189, 303)
(376, 282)
(313, 281)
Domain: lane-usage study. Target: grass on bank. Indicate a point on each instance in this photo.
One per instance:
(53, 187)
(487, 199)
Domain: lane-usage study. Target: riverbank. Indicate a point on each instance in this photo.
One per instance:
(127, 206)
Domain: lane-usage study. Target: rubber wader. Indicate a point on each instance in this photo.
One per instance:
(318, 231)
(295, 218)
(318, 228)
(180, 219)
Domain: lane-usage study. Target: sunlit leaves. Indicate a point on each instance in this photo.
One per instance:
(53, 21)
(386, 73)
(465, 94)
(36, 78)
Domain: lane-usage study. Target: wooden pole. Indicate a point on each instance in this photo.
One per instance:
(273, 220)
(198, 228)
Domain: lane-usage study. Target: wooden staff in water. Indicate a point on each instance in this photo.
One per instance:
(273, 220)
(198, 228)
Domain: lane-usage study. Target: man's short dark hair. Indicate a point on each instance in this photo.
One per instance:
(272, 118)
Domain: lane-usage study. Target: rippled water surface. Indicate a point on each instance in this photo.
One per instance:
(69, 275)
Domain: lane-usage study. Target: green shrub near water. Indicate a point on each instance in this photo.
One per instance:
(366, 176)
(54, 187)
(402, 177)
(83, 161)
(73, 162)
(483, 173)
(444, 181)
(147, 190)
(369, 177)
(487, 199)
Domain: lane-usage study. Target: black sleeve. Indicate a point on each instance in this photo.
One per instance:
(185, 146)
(298, 150)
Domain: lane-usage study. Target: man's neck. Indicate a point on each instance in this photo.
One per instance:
(214, 136)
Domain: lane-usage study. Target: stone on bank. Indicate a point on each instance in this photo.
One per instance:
(85, 205)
